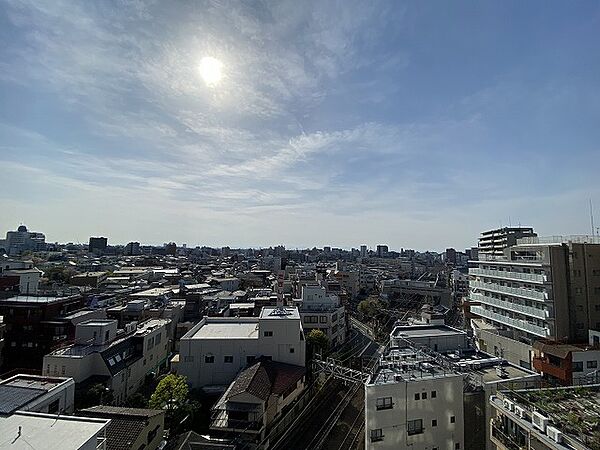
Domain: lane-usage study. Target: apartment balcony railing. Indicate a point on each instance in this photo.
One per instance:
(510, 306)
(502, 439)
(508, 275)
(530, 294)
(519, 324)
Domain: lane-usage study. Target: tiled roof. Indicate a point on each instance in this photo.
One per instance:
(125, 426)
(266, 377)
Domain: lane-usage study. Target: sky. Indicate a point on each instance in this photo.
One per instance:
(414, 124)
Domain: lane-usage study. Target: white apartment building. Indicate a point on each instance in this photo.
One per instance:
(124, 360)
(322, 311)
(216, 349)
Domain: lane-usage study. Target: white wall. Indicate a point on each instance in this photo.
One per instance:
(393, 422)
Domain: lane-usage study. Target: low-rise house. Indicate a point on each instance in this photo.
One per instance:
(130, 428)
(120, 362)
(256, 398)
(322, 311)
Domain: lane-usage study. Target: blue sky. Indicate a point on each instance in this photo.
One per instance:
(414, 124)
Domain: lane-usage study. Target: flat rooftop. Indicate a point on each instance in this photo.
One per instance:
(227, 329)
(155, 292)
(36, 299)
(48, 431)
(279, 313)
(419, 331)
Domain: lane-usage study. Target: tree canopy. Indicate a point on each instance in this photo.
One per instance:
(317, 340)
(170, 394)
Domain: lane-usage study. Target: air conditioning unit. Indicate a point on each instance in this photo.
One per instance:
(509, 405)
(520, 412)
(554, 434)
(539, 421)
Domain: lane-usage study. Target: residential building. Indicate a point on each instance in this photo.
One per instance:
(130, 428)
(132, 249)
(91, 279)
(493, 242)
(22, 240)
(32, 328)
(382, 251)
(322, 311)
(28, 430)
(415, 292)
(52, 395)
(256, 399)
(27, 280)
(120, 361)
(98, 245)
(567, 364)
(540, 288)
(216, 349)
(363, 251)
(546, 419)
(459, 283)
(450, 257)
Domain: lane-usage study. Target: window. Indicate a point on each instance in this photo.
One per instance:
(452, 419)
(414, 426)
(376, 435)
(457, 446)
(424, 395)
(292, 350)
(417, 396)
(433, 394)
(228, 359)
(63, 370)
(158, 338)
(53, 407)
(578, 290)
(323, 319)
(268, 334)
(209, 359)
(434, 423)
(250, 359)
(384, 403)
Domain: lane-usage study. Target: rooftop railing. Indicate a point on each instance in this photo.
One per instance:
(520, 324)
(509, 275)
(510, 306)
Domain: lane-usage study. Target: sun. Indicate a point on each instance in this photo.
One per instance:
(210, 70)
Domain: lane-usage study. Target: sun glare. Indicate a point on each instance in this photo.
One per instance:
(210, 70)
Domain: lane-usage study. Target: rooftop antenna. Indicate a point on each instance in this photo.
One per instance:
(592, 216)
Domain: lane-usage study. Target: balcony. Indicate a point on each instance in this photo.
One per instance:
(502, 440)
(519, 324)
(510, 306)
(530, 294)
(542, 365)
(508, 275)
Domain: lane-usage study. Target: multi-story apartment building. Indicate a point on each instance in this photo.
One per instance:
(545, 288)
(322, 311)
(546, 419)
(493, 242)
(216, 349)
(21, 240)
(32, 328)
(123, 359)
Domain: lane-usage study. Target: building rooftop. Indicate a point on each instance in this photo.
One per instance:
(46, 431)
(156, 292)
(16, 392)
(36, 299)
(225, 328)
(419, 331)
(277, 312)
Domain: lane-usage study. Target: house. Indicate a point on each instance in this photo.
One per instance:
(52, 395)
(130, 428)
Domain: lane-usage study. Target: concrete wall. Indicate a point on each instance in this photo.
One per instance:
(516, 352)
(393, 422)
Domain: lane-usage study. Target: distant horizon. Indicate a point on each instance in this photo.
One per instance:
(416, 124)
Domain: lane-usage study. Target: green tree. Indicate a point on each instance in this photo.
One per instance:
(170, 394)
(317, 341)
(368, 308)
(136, 400)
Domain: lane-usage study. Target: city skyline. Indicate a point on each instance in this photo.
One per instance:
(414, 125)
